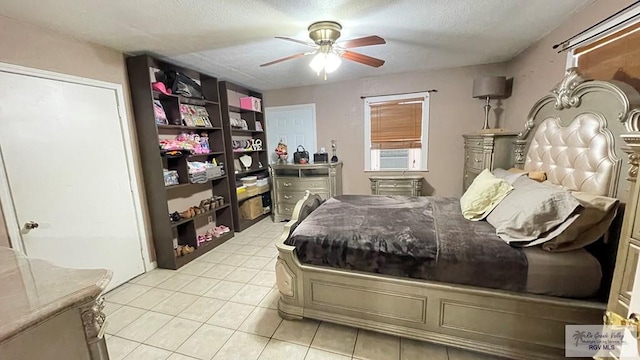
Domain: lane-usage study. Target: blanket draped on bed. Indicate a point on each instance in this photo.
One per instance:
(417, 237)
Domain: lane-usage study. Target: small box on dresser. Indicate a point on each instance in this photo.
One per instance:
(486, 151)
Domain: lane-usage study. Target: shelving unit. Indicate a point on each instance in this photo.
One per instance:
(163, 200)
(228, 104)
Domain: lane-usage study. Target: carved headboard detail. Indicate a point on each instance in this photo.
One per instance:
(579, 133)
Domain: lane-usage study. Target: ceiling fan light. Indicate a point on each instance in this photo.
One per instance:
(318, 62)
(332, 62)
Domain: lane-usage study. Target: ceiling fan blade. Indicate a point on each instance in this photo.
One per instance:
(285, 59)
(362, 59)
(296, 41)
(363, 41)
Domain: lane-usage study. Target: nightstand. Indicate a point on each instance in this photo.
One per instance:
(407, 185)
(486, 151)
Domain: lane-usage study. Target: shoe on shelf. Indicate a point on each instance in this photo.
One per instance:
(178, 251)
(224, 229)
(187, 249)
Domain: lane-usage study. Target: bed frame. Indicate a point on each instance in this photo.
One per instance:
(502, 323)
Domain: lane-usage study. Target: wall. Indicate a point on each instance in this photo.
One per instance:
(537, 69)
(31, 46)
(340, 114)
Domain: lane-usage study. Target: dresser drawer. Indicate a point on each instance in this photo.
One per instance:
(292, 197)
(475, 160)
(394, 184)
(477, 143)
(469, 176)
(297, 184)
(286, 209)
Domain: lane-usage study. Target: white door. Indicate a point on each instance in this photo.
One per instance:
(65, 165)
(294, 125)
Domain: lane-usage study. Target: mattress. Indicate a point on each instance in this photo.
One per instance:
(427, 238)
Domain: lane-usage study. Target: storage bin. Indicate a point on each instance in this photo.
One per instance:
(249, 180)
(251, 103)
(170, 177)
(251, 208)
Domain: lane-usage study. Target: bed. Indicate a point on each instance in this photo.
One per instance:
(572, 135)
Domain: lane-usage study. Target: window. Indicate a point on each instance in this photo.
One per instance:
(396, 129)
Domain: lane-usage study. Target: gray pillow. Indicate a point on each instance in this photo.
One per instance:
(533, 213)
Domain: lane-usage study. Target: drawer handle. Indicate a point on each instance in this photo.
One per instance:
(287, 196)
(477, 160)
(287, 209)
(479, 143)
(287, 184)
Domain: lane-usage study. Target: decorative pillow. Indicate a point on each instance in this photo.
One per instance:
(533, 213)
(485, 193)
(592, 222)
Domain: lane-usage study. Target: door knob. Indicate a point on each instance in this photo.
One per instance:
(31, 225)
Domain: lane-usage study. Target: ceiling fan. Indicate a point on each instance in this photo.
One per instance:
(328, 53)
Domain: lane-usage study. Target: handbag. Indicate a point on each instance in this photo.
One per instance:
(301, 156)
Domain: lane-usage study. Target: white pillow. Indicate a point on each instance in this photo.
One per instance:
(483, 195)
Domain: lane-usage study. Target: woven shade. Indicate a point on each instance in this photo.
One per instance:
(396, 124)
(614, 57)
(489, 86)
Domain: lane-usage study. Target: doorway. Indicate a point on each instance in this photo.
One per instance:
(67, 182)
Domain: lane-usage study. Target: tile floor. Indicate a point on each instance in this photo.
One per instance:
(223, 306)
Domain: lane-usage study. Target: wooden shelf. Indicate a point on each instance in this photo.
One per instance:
(242, 198)
(186, 153)
(248, 151)
(241, 110)
(249, 132)
(204, 214)
(251, 171)
(182, 127)
(203, 249)
(183, 99)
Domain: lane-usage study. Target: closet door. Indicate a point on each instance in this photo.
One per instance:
(63, 151)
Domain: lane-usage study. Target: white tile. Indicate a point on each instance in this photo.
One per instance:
(241, 275)
(199, 286)
(176, 356)
(176, 282)
(110, 308)
(281, 350)
(146, 352)
(273, 234)
(143, 327)
(224, 290)
(459, 354)
(125, 293)
(119, 348)
(227, 247)
(173, 334)
(269, 251)
(242, 346)
(264, 278)
(262, 241)
(214, 256)
(121, 318)
(271, 300)
(376, 346)
(154, 277)
(151, 298)
(315, 354)
(271, 265)
(219, 271)
(235, 259)
(418, 350)
(261, 321)
(248, 250)
(255, 262)
(175, 304)
(240, 240)
(297, 331)
(335, 338)
(205, 342)
(251, 294)
(202, 309)
(195, 268)
(231, 315)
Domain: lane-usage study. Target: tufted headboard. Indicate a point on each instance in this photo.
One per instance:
(574, 135)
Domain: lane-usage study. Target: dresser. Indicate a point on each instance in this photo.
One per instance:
(290, 181)
(486, 151)
(407, 185)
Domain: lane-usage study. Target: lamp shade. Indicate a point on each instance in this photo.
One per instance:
(489, 86)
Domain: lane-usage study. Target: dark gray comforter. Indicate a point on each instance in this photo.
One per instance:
(418, 237)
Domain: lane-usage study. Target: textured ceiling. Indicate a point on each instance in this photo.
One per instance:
(230, 39)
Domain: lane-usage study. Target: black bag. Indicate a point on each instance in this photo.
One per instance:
(301, 156)
(180, 83)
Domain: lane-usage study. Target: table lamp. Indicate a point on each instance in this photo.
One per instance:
(489, 87)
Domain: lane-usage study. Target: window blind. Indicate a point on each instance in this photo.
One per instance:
(614, 57)
(396, 124)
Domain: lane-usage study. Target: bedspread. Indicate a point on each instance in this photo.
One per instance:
(417, 237)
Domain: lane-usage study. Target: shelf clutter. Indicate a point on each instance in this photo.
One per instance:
(181, 136)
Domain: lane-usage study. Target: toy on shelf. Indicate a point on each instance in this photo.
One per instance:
(194, 143)
(281, 152)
